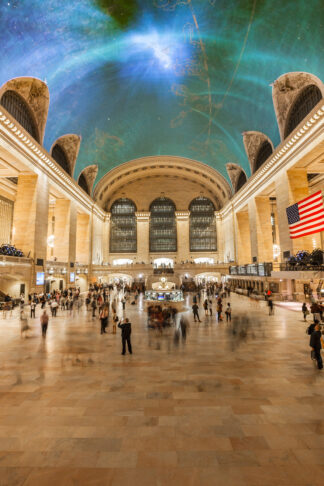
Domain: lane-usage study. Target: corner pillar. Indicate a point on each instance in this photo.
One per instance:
(261, 229)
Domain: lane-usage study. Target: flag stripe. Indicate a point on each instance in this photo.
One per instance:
(311, 207)
(309, 197)
(306, 227)
(318, 230)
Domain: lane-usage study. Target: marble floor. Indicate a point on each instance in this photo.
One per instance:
(239, 404)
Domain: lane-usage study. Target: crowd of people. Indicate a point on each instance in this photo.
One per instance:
(106, 302)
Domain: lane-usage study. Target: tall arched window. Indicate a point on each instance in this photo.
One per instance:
(264, 152)
(202, 225)
(305, 102)
(18, 108)
(58, 154)
(123, 235)
(241, 181)
(83, 183)
(163, 228)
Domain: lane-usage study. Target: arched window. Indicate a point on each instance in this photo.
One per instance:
(123, 235)
(241, 181)
(59, 155)
(83, 183)
(202, 225)
(264, 152)
(305, 102)
(163, 228)
(18, 108)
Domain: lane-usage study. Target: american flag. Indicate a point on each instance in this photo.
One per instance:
(307, 216)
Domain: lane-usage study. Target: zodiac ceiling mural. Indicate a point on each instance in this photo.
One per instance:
(160, 77)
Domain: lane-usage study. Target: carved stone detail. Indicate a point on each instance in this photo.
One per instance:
(90, 173)
(71, 145)
(35, 93)
(286, 89)
(252, 142)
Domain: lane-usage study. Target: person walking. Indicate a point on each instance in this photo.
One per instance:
(270, 304)
(126, 331)
(316, 345)
(44, 323)
(228, 312)
(94, 306)
(33, 309)
(23, 323)
(195, 309)
(219, 309)
(305, 311)
(54, 306)
(206, 307)
(103, 319)
(115, 320)
(184, 326)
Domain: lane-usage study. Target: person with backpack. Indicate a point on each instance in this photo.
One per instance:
(316, 345)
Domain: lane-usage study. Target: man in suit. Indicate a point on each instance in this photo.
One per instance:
(126, 331)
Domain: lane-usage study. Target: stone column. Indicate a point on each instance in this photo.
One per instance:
(183, 242)
(243, 240)
(62, 213)
(291, 187)
(220, 236)
(260, 229)
(143, 236)
(30, 220)
(83, 238)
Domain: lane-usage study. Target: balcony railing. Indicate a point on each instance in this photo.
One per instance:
(299, 267)
(252, 269)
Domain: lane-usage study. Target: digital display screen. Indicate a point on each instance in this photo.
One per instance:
(160, 297)
(40, 278)
(72, 277)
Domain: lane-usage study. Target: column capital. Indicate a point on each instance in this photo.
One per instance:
(182, 215)
(108, 217)
(142, 215)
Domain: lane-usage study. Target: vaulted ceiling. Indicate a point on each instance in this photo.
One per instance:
(137, 78)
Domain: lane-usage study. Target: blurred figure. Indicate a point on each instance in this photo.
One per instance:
(305, 311)
(23, 323)
(184, 326)
(195, 309)
(44, 323)
(316, 345)
(228, 312)
(104, 319)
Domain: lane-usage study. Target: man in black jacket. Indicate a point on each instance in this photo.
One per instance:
(126, 330)
(315, 344)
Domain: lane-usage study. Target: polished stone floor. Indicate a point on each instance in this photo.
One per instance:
(238, 404)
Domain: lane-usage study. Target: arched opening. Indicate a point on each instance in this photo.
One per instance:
(305, 102)
(241, 181)
(163, 228)
(202, 225)
(83, 183)
(264, 152)
(58, 154)
(19, 109)
(123, 235)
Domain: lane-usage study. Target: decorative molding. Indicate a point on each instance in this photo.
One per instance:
(182, 215)
(311, 127)
(143, 216)
(39, 158)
